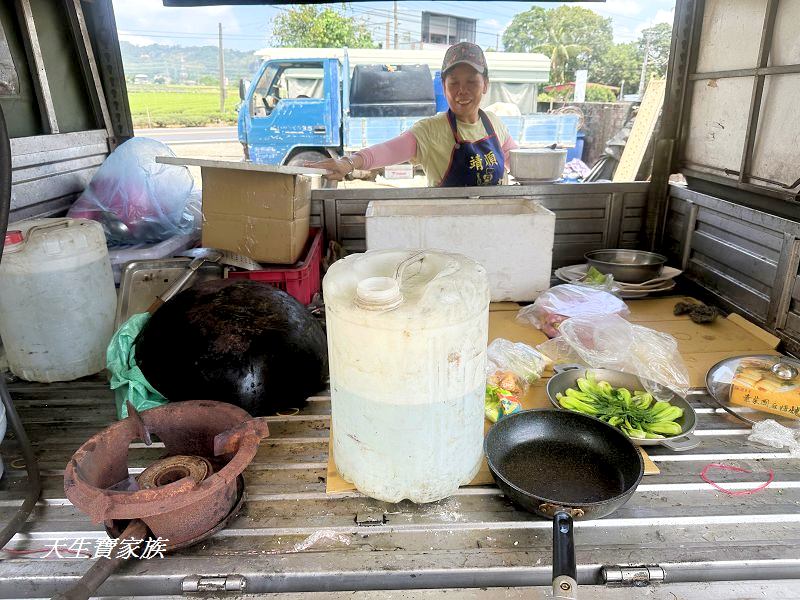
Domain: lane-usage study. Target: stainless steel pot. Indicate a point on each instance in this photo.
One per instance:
(567, 377)
(537, 164)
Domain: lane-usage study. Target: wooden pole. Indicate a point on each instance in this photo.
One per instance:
(221, 73)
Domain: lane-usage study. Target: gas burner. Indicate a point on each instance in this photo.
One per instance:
(183, 497)
(174, 468)
(114, 529)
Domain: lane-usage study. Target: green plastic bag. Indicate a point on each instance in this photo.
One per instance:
(127, 379)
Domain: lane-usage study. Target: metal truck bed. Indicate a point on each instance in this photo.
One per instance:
(292, 537)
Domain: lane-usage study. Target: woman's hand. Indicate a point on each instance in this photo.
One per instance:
(337, 168)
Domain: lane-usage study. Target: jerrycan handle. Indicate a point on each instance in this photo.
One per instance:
(58, 224)
(418, 256)
(383, 293)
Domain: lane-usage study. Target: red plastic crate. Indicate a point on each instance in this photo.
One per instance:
(300, 282)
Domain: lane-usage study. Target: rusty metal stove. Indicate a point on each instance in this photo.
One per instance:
(184, 497)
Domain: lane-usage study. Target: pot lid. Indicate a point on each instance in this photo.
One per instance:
(757, 387)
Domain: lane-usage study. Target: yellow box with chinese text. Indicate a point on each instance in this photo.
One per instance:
(755, 385)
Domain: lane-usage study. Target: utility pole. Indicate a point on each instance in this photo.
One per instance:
(497, 42)
(388, 35)
(644, 66)
(395, 24)
(221, 74)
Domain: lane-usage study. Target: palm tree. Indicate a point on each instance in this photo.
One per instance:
(561, 51)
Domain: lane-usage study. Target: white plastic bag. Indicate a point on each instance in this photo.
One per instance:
(773, 434)
(611, 342)
(137, 199)
(565, 301)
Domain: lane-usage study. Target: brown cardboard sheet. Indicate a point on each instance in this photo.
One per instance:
(701, 347)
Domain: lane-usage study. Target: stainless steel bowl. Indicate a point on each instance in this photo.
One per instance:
(566, 376)
(628, 266)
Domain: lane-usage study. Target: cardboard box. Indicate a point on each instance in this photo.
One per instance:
(261, 211)
(262, 215)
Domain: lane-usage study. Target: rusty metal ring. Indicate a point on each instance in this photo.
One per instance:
(289, 412)
(18, 463)
(174, 468)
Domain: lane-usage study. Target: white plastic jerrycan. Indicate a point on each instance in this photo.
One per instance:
(57, 299)
(407, 334)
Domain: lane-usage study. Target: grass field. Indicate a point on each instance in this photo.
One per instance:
(180, 106)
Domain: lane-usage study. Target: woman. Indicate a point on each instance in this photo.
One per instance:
(464, 146)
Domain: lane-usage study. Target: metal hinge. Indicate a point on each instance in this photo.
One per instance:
(213, 583)
(639, 576)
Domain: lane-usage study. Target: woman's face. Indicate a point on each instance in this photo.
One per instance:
(464, 87)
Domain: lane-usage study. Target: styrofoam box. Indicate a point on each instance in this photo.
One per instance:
(511, 237)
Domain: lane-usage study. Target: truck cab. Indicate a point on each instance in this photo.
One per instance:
(291, 112)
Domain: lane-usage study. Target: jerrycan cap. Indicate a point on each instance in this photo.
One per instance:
(13, 238)
(378, 293)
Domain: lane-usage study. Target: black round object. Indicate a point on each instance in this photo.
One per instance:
(565, 460)
(242, 342)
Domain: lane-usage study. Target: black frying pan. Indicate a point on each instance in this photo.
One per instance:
(563, 465)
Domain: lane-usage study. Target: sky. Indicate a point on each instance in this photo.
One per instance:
(248, 28)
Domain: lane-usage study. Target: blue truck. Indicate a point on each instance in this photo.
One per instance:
(304, 109)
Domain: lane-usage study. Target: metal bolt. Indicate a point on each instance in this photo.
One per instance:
(565, 586)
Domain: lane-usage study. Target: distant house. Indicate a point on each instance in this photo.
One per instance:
(446, 29)
(141, 78)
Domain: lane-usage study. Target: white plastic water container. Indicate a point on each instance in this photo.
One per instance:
(407, 335)
(57, 299)
(511, 237)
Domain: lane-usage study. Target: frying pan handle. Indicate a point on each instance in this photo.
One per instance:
(567, 367)
(565, 585)
(680, 444)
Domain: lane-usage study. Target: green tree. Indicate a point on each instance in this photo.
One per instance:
(659, 38)
(311, 26)
(622, 62)
(570, 35)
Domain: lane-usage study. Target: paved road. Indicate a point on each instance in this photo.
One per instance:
(190, 135)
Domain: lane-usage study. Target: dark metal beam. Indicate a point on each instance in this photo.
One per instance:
(102, 30)
(764, 48)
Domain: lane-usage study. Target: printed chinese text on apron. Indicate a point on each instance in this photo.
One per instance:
(474, 163)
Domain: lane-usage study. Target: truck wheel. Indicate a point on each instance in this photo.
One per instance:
(300, 159)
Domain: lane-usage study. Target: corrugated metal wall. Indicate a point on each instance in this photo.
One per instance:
(49, 171)
(746, 258)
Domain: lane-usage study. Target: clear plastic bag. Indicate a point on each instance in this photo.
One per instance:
(511, 368)
(137, 199)
(562, 302)
(773, 434)
(596, 280)
(611, 342)
(522, 360)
